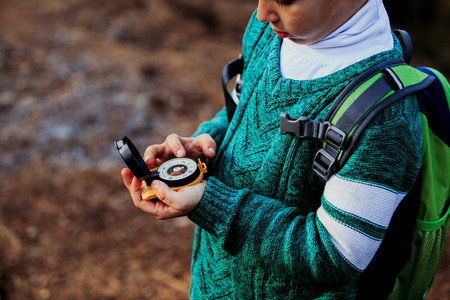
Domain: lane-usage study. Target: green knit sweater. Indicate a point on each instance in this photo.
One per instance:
(254, 239)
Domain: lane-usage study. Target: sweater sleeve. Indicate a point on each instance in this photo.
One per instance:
(333, 245)
(263, 231)
(360, 200)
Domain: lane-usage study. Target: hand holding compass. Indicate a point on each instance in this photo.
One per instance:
(176, 173)
(173, 172)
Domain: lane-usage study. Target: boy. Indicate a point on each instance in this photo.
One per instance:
(255, 238)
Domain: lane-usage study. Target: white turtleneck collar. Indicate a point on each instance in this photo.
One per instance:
(367, 33)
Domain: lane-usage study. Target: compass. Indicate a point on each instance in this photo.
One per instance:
(178, 169)
(176, 173)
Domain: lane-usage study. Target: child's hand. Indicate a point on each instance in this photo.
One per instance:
(174, 145)
(170, 204)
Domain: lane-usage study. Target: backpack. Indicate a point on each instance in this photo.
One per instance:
(420, 224)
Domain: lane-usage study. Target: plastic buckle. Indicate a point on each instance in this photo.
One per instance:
(236, 94)
(301, 127)
(323, 164)
(287, 124)
(335, 137)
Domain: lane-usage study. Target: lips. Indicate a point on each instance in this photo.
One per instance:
(282, 34)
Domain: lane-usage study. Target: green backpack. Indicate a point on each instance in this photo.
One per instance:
(419, 226)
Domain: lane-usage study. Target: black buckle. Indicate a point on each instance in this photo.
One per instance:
(335, 137)
(302, 127)
(323, 164)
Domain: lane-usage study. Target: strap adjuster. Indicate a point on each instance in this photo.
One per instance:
(326, 157)
(335, 137)
(323, 164)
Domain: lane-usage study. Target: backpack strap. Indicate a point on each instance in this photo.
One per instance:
(232, 69)
(354, 113)
(353, 110)
(405, 41)
(306, 128)
(431, 107)
(434, 106)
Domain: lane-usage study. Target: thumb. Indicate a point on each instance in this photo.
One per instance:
(161, 190)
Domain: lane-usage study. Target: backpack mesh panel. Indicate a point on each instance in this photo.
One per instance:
(415, 279)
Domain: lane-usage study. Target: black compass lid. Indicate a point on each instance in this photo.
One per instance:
(132, 158)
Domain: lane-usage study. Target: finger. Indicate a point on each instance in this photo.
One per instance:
(156, 154)
(189, 196)
(149, 206)
(173, 141)
(135, 191)
(160, 189)
(127, 177)
(202, 145)
(133, 185)
(167, 196)
(207, 144)
(182, 201)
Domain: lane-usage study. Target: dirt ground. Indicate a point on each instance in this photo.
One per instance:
(75, 76)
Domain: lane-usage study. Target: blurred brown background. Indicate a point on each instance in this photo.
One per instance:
(76, 75)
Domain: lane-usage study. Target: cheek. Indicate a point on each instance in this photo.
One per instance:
(304, 25)
(302, 17)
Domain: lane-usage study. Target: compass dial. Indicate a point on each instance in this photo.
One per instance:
(178, 169)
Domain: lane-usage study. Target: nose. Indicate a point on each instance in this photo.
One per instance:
(267, 11)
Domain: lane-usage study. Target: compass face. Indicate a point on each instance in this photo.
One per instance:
(177, 169)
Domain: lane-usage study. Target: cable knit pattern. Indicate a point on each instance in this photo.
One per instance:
(254, 240)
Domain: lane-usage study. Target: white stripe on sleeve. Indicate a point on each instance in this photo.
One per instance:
(368, 201)
(356, 247)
